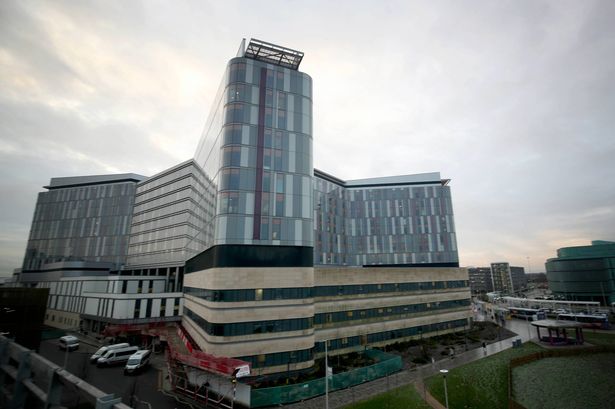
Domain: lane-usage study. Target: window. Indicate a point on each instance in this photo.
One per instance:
(230, 179)
(137, 311)
(276, 228)
(231, 156)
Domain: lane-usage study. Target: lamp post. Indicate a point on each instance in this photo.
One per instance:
(326, 377)
(444, 372)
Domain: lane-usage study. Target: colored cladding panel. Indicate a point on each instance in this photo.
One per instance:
(81, 222)
(404, 225)
(256, 232)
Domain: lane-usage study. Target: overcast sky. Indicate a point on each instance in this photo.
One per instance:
(513, 101)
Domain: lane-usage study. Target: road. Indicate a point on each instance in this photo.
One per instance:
(139, 391)
(522, 328)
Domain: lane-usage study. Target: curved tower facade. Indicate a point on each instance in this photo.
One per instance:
(249, 293)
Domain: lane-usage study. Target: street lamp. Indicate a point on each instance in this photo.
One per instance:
(444, 372)
(326, 376)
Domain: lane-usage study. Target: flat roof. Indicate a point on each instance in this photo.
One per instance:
(273, 54)
(74, 181)
(562, 302)
(431, 178)
(556, 324)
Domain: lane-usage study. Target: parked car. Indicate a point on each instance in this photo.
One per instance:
(68, 343)
(94, 358)
(137, 361)
(116, 356)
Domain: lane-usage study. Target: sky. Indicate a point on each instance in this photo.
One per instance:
(514, 101)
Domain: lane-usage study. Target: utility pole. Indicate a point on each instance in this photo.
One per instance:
(444, 372)
(326, 377)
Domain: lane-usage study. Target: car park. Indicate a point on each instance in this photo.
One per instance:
(138, 361)
(94, 358)
(68, 343)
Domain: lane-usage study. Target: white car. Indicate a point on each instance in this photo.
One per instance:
(116, 356)
(94, 358)
(68, 343)
(137, 361)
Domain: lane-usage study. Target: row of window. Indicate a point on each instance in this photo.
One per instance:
(243, 134)
(387, 311)
(248, 328)
(276, 99)
(279, 358)
(147, 304)
(283, 358)
(266, 294)
(240, 113)
(346, 342)
(335, 290)
(261, 294)
(286, 80)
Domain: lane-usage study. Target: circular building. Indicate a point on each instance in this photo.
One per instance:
(584, 273)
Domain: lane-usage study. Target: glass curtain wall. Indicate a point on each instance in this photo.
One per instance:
(257, 151)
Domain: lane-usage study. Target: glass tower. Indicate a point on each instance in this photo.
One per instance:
(249, 293)
(257, 150)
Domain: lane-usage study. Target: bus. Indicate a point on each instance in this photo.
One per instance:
(531, 314)
(588, 320)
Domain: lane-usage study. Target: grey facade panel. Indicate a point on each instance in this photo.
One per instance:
(81, 223)
(389, 221)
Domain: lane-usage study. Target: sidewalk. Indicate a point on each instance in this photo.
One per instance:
(419, 385)
(344, 397)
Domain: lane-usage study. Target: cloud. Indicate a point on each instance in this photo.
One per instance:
(513, 101)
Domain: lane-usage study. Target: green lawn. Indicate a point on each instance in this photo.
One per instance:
(401, 398)
(566, 383)
(599, 338)
(480, 384)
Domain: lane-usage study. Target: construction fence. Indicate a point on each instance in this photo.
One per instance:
(386, 364)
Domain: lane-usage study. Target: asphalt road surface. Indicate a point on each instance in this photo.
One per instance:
(140, 391)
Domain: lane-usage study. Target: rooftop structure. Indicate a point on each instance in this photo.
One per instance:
(273, 54)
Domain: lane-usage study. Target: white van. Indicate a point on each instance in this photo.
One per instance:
(103, 350)
(116, 356)
(69, 342)
(138, 361)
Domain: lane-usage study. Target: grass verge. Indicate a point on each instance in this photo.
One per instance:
(599, 338)
(400, 398)
(482, 384)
